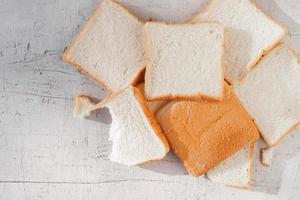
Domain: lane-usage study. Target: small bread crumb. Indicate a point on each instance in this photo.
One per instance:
(82, 107)
(267, 156)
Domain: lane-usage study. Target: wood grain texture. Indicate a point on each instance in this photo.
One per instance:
(46, 154)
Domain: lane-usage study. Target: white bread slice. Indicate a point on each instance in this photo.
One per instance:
(184, 61)
(266, 156)
(271, 95)
(249, 34)
(154, 106)
(109, 48)
(134, 132)
(83, 106)
(235, 171)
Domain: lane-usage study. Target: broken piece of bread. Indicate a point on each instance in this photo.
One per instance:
(184, 61)
(266, 156)
(249, 34)
(136, 136)
(204, 133)
(235, 171)
(109, 48)
(83, 106)
(271, 95)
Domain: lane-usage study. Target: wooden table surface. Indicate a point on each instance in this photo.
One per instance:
(46, 154)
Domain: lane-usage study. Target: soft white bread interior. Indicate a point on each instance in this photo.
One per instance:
(109, 48)
(134, 132)
(271, 95)
(249, 34)
(235, 170)
(184, 61)
(266, 156)
(83, 106)
(154, 106)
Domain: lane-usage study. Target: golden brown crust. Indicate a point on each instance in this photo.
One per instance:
(261, 155)
(149, 60)
(239, 187)
(183, 98)
(106, 100)
(263, 54)
(283, 136)
(140, 76)
(251, 160)
(91, 99)
(151, 119)
(204, 133)
(78, 66)
(206, 9)
(86, 27)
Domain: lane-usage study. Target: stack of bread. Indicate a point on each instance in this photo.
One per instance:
(206, 90)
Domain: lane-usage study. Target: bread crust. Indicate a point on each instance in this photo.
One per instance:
(151, 119)
(263, 52)
(149, 60)
(72, 46)
(262, 156)
(252, 147)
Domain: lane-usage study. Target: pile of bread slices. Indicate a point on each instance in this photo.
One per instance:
(207, 89)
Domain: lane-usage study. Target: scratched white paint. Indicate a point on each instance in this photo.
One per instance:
(46, 154)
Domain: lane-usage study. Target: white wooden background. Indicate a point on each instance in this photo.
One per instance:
(46, 154)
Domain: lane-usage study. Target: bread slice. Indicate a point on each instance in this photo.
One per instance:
(204, 133)
(154, 106)
(235, 171)
(271, 95)
(83, 106)
(134, 132)
(109, 48)
(184, 61)
(266, 156)
(249, 34)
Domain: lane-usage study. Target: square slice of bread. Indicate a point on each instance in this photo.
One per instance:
(110, 47)
(184, 61)
(204, 133)
(271, 94)
(235, 171)
(136, 136)
(249, 33)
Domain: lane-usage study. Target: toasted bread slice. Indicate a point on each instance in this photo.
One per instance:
(204, 133)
